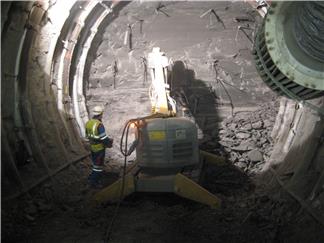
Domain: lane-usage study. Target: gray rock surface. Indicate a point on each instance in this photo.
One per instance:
(257, 125)
(245, 137)
(244, 146)
(242, 135)
(255, 155)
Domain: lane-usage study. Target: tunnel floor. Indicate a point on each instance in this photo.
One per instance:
(62, 211)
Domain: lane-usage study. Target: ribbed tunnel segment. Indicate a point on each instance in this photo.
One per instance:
(41, 127)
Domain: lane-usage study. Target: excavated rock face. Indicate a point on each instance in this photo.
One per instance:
(212, 73)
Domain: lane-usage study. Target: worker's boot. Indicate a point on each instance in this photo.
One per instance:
(94, 180)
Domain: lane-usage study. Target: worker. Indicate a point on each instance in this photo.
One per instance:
(99, 141)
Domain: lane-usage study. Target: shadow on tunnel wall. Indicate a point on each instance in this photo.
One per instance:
(200, 104)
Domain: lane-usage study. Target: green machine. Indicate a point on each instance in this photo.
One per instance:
(289, 49)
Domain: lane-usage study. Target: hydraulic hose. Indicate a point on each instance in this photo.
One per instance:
(124, 151)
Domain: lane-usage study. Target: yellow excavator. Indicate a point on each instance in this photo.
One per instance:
(167, 155)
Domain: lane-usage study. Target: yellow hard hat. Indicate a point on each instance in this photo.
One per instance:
(97, 110)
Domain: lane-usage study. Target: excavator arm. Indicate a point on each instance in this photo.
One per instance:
(162, 102)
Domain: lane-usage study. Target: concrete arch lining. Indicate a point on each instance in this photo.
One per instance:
(30, 136)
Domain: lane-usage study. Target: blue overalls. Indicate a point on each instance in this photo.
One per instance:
(95, 132)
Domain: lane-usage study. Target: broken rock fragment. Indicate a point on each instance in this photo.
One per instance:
(232, 126)
(244, 146)
(255, 155)
(241, 165)
(257, 125)
(243, 135)
(267, 123)
(246, 127)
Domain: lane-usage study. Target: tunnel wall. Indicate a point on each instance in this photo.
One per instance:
(297, 162)
(45, 46)
(38, 138)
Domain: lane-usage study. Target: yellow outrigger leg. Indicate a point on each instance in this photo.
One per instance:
(187, 188)
(113, 193)
(182, 186)
(178, 184)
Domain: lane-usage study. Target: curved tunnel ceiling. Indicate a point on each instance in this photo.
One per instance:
(46, 49)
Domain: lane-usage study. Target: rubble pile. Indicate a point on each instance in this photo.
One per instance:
(246, 137)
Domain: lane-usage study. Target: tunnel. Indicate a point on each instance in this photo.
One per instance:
(59, 59)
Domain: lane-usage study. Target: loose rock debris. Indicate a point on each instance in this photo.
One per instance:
(246, 139)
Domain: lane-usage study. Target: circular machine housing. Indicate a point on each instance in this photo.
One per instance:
(167, 144)
(289, 49)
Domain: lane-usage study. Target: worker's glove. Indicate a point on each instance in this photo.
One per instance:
(110, 143)
(86, 144)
